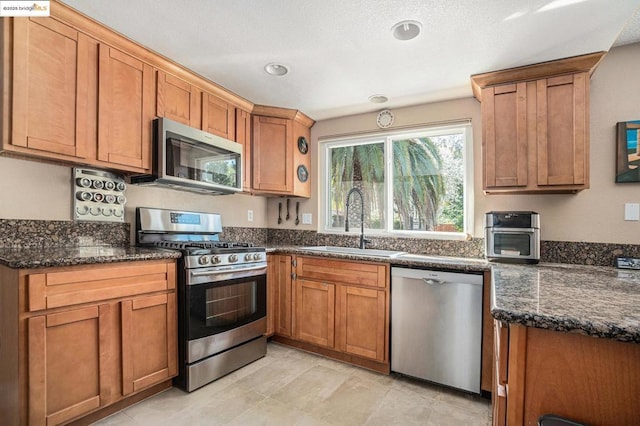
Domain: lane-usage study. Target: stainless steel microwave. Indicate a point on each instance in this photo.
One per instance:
(190, 159)
(512, 236)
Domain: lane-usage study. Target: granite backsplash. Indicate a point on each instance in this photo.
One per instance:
(19, 233)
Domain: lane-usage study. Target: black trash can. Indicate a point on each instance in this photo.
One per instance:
(553, 420)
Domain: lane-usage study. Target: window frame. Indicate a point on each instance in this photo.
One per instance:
(387, 138)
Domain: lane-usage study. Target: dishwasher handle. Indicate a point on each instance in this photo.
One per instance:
(432, 281)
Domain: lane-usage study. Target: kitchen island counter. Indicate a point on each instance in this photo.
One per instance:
(596, 301)
(29, 258)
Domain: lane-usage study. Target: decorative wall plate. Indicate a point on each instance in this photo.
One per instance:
(303, 146)
(385, 119)
(303, 173)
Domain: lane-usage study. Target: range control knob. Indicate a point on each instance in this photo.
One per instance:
(203, 260)
(248, 257)
(215, 259)
(233, 258)
(257, 256)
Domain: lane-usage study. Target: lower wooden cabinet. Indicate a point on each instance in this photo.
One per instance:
(586, 379)
(315, 312)
(68, 368)
(87, 337)
(149, 342)
(340, 309)
(362, 322)
(279, 293)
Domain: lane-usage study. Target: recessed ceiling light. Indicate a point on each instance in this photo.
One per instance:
(406, 30)
(378, 99)
(276, 69)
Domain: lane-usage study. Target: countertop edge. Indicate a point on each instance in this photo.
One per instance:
(50, 257)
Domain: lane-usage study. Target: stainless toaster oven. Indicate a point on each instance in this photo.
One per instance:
(512, 236)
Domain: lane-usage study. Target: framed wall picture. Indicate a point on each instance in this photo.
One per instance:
(628, 151)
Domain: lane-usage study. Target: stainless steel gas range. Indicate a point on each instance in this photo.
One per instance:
(222, 293)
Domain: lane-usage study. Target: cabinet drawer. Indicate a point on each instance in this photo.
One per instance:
(77, 285)
(360, 273)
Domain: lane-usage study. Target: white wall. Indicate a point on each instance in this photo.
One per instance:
(35, 190)
(592, 215)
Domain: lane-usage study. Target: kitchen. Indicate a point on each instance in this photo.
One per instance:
(45, 188)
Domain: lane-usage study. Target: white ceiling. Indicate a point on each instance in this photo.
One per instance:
(341, 51)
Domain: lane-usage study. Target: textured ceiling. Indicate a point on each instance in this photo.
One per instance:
(341, 51)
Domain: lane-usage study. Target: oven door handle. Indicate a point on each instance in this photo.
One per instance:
(227, 271)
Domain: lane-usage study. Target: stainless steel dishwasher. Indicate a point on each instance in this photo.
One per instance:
(436, 326)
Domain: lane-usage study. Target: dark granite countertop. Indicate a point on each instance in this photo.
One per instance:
(460, 264)
(28, 258)
(596, 301)
(593, 300)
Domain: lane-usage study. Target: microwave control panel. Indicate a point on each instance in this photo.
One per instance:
(98, 195)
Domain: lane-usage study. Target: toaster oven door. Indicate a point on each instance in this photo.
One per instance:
(515, 243)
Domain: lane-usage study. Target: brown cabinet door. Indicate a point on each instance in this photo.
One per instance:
(283, 293)
(272, 155)
(563, 129)
(149, 341)
(314, 307)
(243, 136)
(177, 100)
(361, 322)
(218, 117)
(504, 121)
(500, 356)
(53, 77)
(68, 375)
(126, 99)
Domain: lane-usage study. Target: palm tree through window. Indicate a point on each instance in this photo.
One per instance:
(411, 182)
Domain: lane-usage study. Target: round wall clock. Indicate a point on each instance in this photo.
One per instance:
(303, 146)
(385, 119)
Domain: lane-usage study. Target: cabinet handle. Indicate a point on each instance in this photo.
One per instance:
(294, 262)
(293, 276)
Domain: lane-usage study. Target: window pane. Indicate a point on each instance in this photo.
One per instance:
(357, 166)
(428, 183)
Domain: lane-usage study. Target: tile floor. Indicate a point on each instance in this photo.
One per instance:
(291, 387)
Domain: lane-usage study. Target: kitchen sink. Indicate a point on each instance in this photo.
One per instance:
(355, 251)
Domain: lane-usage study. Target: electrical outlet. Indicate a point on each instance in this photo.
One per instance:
(632, 211)
(306, 218)
(250, 215)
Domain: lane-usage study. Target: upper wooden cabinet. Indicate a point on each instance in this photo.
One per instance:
(177, 100)
(218, 116)
(280, 162)
(79, 93)
(243, 136)
(186, 103)
(51, 81)
(535, 123)
(125, 99)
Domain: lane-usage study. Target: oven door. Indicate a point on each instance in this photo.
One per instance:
(505, 243)
(224, 314)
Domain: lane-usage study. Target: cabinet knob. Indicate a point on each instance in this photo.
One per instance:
(293, 276)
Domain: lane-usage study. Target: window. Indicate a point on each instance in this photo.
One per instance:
(416, 183)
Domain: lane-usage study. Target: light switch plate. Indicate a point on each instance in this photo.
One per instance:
(306, 218)
(632, 211)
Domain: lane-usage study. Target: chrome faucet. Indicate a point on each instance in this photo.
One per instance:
(346, 220)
